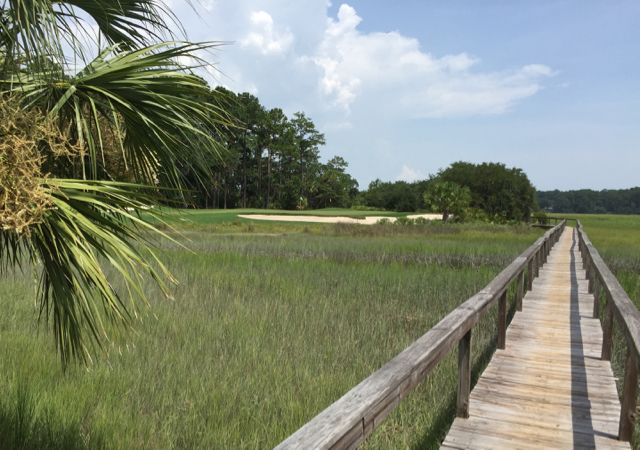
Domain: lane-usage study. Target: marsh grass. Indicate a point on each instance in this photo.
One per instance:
(265, 332)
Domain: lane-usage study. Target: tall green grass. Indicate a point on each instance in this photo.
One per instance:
(265, 332)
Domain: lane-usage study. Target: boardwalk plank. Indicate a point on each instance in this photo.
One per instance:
(548, 388)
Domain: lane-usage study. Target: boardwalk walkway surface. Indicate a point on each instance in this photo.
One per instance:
(548, 388)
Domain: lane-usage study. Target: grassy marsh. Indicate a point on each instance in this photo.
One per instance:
(265, 332)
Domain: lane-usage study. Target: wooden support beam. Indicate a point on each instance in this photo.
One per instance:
(597, 291)
(520, 291)
(502, 321)
(607, 331)
(530, 275)
(464, 375)
(629, 392)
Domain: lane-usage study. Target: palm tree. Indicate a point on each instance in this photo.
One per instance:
(86, 154)
(448, 198)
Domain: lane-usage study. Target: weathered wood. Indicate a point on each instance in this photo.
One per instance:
(629, 393)
(530, 275)
(597, 292)
(464, 375)
(607, 331)
(548, 388)
(502, 321)
(350, 419)
(624, 311)
(541, 257)
(520, 291)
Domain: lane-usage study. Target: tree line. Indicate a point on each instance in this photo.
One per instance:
(491, 192)
(587, 201)
(270, 161)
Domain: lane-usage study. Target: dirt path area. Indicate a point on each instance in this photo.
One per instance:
(369, 220)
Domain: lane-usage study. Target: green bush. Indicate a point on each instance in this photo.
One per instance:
(421, 221)
(405, 221)
(540, 217)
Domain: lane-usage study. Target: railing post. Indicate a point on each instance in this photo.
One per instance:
(464, 375)
(520, 290)
(590, 277)
(530, 275)
(596, 297)
(629, 392)
(546, 250)
(502, 321)
(540, 259)
(607, 330)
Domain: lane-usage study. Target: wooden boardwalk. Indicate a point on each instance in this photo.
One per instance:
(548, 388)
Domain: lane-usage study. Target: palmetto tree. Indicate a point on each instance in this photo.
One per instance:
(87, 144)
(448, 198)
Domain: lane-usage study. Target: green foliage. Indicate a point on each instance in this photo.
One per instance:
(586, 201)
(273, 162)
(399, 196)
(448, 198)
(540, 217)
(501, 192)
(265, 332)
(404, 221)
(133, 124)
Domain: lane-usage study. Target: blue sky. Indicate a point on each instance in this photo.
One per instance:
(404, 88)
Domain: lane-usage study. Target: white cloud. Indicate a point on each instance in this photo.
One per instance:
(338, 125)
(361, 88)
(264, 37)
(408, 174)
(390, 70)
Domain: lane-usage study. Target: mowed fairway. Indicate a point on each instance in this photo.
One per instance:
(264, 333)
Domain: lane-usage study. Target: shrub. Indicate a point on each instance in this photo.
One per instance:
(405, 221)
(540, 217)
(421, 221)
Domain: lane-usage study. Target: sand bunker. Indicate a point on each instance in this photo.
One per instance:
(370, 220)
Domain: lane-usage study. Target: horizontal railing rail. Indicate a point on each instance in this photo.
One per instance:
(545, 220)
(557, 218)
(618, 306)
(348, 421)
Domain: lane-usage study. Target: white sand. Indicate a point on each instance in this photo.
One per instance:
(370, 220)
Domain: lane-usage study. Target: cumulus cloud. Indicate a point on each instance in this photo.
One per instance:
(408, 174)
(264, 37)
(393, 69)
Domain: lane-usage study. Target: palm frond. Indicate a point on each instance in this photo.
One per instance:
(164, 117)
(92, 224)
(33, 31)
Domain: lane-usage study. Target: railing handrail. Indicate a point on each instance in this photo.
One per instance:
(552, 217)
(350, 419)
(618, 305)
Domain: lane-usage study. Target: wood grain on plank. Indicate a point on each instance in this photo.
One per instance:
(548, 388)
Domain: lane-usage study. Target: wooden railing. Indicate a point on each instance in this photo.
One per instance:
(546, 220)
(617, 305)
(348, 421)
